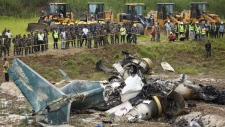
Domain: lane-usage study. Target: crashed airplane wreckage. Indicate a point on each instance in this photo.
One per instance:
(128, 93)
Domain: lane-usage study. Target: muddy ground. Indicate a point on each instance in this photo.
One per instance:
(99, 117)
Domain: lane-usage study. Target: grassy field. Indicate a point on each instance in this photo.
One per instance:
(16, 26)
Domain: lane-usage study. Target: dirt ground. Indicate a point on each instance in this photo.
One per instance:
(94, 119)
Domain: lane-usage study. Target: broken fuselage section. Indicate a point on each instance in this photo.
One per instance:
(128, 93)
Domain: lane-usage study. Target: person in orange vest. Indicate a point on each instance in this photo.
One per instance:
(5, 69)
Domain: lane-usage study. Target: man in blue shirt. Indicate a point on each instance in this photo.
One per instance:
(168, 28)
(221, 29)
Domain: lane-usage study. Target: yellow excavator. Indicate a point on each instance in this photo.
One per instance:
(134, 15)
(164, 12)
(58, 13)
(96, 14)
(198, 13)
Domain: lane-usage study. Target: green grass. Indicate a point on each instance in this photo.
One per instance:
(16, 26)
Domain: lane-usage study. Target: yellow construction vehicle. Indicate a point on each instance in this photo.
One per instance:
(198, 13)
(134, 15)
(58, 13)
(96, 14)
(164, 13)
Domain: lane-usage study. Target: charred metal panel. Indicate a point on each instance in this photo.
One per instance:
(93, 90)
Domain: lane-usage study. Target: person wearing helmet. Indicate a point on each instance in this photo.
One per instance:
(181, 28)
(221, 29)
(133, 34)
(171, 37)
(168, 28)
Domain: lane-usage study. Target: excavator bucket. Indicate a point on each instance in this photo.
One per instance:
(147, 31)
(38, 26)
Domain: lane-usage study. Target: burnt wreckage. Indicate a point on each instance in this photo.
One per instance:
(129, 93)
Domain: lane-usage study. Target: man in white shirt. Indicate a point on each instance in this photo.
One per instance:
(84, 35)
(41, 41)
(9, 34)
(63, 39)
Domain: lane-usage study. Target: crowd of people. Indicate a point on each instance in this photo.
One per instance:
(64, 36)
(195, 31)
(23, 44)
(100, 35)
(96, 35)
(189, 31)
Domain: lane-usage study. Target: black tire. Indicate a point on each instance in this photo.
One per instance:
(140, 28)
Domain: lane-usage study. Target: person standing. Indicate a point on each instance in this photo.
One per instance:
(55, 35)
(207, 27)
(112, 34)
(89, 39)
(6, 45)
(191, 30)
(9, 34)
(117, 34)
(152, 33)
(41, 41)
(63, 39)
(168, 28)
(221, 30)
(45, 39)
(133, 34)
(122, 33)
(157, 32)
(176, 30)
(15, 42)
(187, 31)
(203, 32)
(128, 34)
(208, 49)
(84, 35)
(181, 28)
(217, 30)
(197, 32)
(5, 69)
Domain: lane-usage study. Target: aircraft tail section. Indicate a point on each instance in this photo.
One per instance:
(39, 92)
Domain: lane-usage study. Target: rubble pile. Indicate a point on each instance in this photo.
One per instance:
(13, 106)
